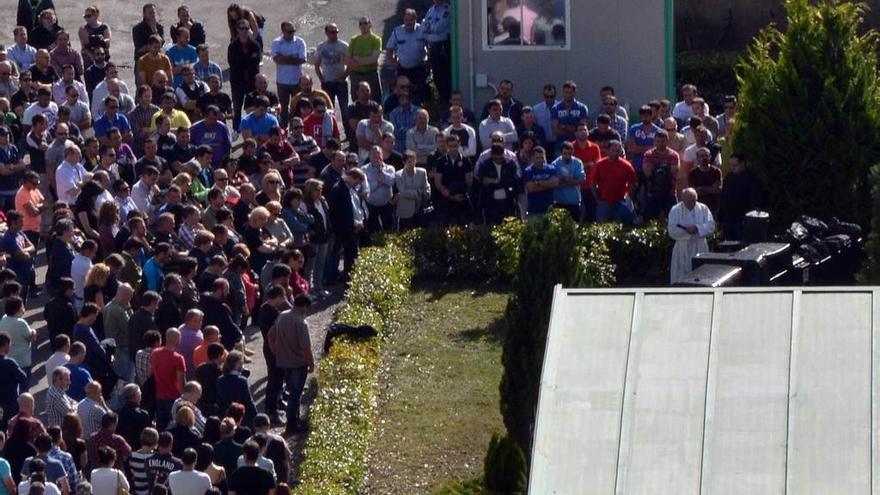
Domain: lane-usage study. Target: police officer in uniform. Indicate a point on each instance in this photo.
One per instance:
(407, 49)
(435, 27)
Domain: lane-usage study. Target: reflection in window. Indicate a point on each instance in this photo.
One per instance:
(526, 23)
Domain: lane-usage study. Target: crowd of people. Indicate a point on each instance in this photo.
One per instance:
(173, 214)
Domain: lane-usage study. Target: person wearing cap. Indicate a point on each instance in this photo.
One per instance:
(288, 53)
(290, 343)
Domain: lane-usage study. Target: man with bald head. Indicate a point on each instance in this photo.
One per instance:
(116, 316)
(8, 83)
(169, 372)
(25, 414)
(91, 409)
(690, 222)
(261, 85)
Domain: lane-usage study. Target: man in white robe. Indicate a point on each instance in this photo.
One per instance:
(690, 222)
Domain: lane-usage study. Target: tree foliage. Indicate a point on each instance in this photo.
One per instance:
(552, 250)
(809, 116)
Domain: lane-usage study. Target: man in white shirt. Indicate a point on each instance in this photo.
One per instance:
(61, 346)
(288, 53)
(59, 89)
(690, 222)
(79, 267)
(102, 90)
(20, 52)
(70, 176)
(682, 110)
(188, 481)
(466, 134)
(91, 409)
(44, 105)
(145, 189)
(542, 112)
(496, 122)
(380, 180)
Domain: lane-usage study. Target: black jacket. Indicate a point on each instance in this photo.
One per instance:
(168, 315)
(207, 375)
(141, 322)
(217, 313)
(132, 421)
(341, 212)
(29, 17)
(60, 316)
(508, 181)
(244, 66)
(319, 233)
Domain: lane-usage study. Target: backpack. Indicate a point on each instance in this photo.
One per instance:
(661, 180)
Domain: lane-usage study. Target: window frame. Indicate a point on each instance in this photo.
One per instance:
(484, 4)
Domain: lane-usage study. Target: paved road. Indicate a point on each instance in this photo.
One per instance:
(309, 15)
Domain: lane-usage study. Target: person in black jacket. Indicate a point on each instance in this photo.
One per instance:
(132, 418)
(346, 218)
(169, 315)
(217, 313)
(276, 302)
(207, 374)
(59, 312)
(740, 194)
(498, 184)
(29, 12)
(244, 55)
(233, 387)
(61, 254)
(140, 34)
(319, 233)
(142, 321)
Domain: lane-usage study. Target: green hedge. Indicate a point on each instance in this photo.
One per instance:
(342, 416)
(712, 71)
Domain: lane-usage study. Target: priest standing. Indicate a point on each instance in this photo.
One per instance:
(690, 222)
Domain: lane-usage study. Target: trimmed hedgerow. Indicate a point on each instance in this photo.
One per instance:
(343, 412)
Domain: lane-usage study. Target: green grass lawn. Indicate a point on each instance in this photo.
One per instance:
(439, 390)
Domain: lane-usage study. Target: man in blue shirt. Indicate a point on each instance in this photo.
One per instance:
(13, 381)
(181, 54)
(641, 137)
(256, 124)
(570, 171)
(567, 114)
(111, 118)
(407, 50)
(540, 179)
(79, 375)
(436, 28)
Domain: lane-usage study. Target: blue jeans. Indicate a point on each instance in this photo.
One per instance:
(619, 212)
(295, 381)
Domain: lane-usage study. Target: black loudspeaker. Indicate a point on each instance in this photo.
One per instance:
(755, 226)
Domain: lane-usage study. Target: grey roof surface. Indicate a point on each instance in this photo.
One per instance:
(691, 391)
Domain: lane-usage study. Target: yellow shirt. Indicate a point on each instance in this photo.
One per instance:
(178, 119)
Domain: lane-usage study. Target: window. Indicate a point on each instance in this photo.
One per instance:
(526, 24)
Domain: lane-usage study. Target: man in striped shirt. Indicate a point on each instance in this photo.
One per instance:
(58, 403)
(137, 463)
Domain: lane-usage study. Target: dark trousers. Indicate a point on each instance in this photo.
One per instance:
(418, 77)
(350, 247)
(439, 56)
(338, 90)
(381, 218)
(457, 212)
(163, 413)
(238, 94)
(285, 93)
(498, 210)
(295, 380)
(274, 381)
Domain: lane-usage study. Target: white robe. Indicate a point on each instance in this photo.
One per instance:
(688, 245)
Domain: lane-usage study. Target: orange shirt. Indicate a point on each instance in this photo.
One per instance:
(200, 353)
(149, 64)
(31, 223)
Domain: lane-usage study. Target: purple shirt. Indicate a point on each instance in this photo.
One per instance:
(216, 136)
(189, 339)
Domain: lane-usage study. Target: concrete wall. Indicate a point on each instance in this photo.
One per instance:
(620, 43)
